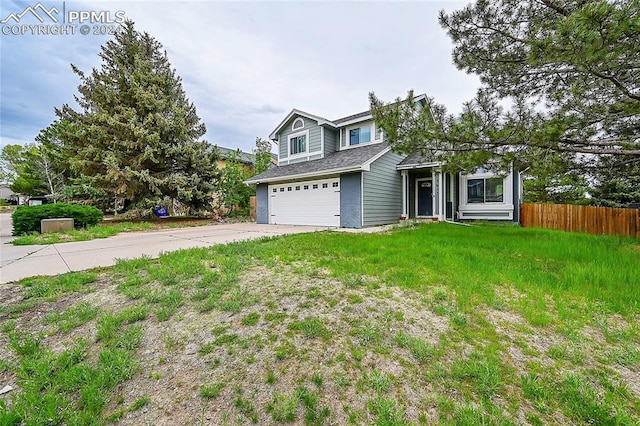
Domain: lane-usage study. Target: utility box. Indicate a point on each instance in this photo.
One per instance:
(56, 225)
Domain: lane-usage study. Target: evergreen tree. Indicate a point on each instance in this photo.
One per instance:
(136, 137)
(617, 182)
(568, 68)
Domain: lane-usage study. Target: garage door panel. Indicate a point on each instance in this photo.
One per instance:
(313, 206)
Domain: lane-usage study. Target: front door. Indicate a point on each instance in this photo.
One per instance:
(424, 194)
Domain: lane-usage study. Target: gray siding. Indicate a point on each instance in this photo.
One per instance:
(262, 203)
(330, 141)
(382, 191)
(350, 200)
(314, 136)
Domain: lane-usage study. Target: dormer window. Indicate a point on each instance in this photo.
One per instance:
(298, 123)
(360, 135)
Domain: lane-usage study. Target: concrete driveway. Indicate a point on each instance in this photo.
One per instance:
(17, 262)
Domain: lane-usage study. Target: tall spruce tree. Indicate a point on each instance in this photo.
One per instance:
(136, 137)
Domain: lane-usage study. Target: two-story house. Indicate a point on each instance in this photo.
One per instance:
(342, 173)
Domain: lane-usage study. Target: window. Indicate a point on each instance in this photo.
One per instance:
(306, 187)
(298, 123)
(325, 185)
(297, 144)
(298, 188)
(489, 190)
(282, 189)
(315, 186)
(360, 135)
(335, 184)
(289, 188)
(274, 190)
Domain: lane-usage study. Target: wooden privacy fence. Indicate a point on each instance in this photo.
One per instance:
(594, 220)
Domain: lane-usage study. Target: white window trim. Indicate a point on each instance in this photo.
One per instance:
(505, 204)
(293, 125)
(295, 135)
(373, 140)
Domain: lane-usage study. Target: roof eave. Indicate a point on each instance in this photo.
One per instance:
(419, 165)
(341, 170)
(320, 120)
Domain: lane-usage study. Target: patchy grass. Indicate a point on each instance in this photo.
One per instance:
(434, 324)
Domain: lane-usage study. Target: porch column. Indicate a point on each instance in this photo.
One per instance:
(405, 207)
(441, 196)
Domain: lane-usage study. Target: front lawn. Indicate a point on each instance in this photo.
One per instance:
(435, 324)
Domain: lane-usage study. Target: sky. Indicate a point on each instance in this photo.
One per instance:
(244, 65)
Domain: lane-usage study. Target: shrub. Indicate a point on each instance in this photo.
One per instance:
(27, 219)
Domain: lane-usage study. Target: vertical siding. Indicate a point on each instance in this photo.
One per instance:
(351, 200)
(262, 201)
(314, 136)
(382, 191)
(331, 141)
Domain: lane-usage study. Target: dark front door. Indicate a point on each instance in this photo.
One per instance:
(425, 198)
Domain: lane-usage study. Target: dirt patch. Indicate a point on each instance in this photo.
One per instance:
(181, 355)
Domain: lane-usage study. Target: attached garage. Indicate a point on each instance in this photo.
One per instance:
(313, 202)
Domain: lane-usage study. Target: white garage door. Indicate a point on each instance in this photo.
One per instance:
(315, 202)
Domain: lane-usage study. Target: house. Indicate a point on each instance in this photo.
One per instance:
(342, 173)
(226, 153)
(5, 191)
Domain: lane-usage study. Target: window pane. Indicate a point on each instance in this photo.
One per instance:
(475, 191)
(365, 134)
(298, 144)
(354, 137)
(495, 190)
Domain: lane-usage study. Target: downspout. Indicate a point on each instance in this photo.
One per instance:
(405, 214)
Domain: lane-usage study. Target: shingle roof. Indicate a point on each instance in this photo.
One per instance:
(335, 162)
(352, 117)
(416, 159)
(245, 157)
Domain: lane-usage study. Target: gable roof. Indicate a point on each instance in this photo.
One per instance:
(350, 119)
(320, 120)
(349, 160)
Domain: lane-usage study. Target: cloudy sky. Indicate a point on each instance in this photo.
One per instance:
(244, 65)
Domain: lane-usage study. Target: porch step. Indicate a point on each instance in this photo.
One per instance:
(415, 221)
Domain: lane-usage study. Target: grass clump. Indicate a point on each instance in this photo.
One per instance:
(211, 390)
(311, 327)
(73, 317)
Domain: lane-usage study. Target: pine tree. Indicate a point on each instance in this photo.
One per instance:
(136, 137)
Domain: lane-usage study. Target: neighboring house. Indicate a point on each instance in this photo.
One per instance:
(5, 191)
(342, 173)
(225, 154)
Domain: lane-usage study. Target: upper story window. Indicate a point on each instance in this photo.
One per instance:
(487, 190)
(360, 135)
(298, 143)
(298, 123)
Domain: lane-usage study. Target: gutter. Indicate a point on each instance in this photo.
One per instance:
(361, 168)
